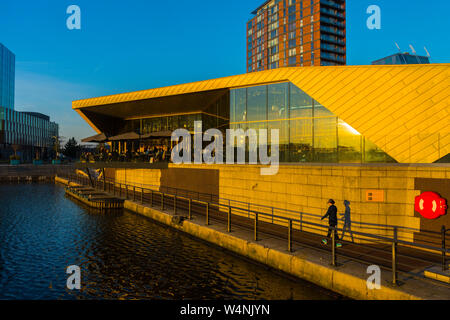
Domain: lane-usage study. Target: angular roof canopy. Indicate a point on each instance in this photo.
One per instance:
(97, 138)
(403, 109)
(125, 136)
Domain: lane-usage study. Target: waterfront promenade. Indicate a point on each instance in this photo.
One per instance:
(343, 270)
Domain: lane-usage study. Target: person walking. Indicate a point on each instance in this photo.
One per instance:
(347, 221)
(332, 221)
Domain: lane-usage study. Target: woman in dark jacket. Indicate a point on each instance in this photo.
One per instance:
(332, 219)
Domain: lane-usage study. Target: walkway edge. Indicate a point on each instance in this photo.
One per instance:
(326, 277)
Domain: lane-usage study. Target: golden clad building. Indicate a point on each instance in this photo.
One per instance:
(346, 132)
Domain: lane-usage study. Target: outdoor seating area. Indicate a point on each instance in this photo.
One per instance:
(129, 147)
(148, 154)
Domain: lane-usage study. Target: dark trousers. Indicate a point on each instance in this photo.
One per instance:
(347, 226)
(330, 230)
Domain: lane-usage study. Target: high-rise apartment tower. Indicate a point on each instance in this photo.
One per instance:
(294, 33)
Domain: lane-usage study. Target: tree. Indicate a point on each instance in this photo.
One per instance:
(71, 148)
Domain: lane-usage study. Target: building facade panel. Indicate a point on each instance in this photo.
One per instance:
(30, 135)
(7, 76)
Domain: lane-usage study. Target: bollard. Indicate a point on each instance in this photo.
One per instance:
(444, 260)
(290, 235)
(229, 220)
(333, 246)
(256, 227)
(394, 258)
(207, 213)
(190, 209)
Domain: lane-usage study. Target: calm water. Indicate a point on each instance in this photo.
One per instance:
(121, 256)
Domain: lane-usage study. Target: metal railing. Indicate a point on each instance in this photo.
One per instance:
(383, 249)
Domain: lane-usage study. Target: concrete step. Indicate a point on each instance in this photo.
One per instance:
(436, 273)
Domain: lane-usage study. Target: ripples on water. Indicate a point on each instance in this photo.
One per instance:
(121, 256)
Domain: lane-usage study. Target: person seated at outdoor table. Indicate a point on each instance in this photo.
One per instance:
(164, 153)
(158, 155)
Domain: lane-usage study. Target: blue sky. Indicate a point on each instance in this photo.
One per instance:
(141, 44)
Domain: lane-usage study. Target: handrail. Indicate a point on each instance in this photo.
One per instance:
(208, 195)
(258, 215)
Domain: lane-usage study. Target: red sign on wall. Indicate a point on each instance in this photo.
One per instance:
(430, 205)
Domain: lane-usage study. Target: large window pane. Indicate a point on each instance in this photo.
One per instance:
(257, 103)
(301, 133)
(374, 154)
(301, 140)
(321, 111)
(277, 115)
(283, 132)
(325, 139)
(277, 101)
(300, 103)
(232, 106)
(240, 105)
(349, 143)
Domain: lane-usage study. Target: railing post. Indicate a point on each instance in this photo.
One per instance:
(120, 190)
(162, 201)
(290, 235)
(174, 204)
(151, 197)
(207, 213)
(333, 246)
(229, 219)
(126, 191)
(256, 227)
(444, 262)
(134, 193)
(142, 195)
(272, 215)
(301, 221)
(190, 209)
(394, 258)
(248, 210)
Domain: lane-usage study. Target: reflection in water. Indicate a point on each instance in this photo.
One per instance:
(121, 255)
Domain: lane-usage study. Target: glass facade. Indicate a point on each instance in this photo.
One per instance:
(216, 115)
(27, 129)
(402, 58)
(7, 76)
(308, 131)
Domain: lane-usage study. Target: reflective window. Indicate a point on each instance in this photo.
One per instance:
(350, 143)
(257, 103)
(240, 105)
(325, 139)
(308, 131)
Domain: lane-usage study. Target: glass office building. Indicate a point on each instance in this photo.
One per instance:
(7, 76)
(402, 58)
(32, 134)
